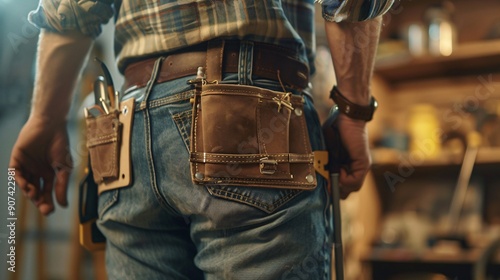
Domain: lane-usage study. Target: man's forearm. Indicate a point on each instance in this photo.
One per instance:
(353, 46)
(59, 61)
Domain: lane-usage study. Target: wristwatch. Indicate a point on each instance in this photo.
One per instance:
(353, 110)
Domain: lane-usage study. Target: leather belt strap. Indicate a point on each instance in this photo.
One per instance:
(215, 60)
(267, 60)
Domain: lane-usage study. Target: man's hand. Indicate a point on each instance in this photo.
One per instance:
(42, 160)
(355, 140)
(353, 46)
(41, 154)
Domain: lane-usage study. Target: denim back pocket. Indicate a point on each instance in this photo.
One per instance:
(265, 199)
(181, 116)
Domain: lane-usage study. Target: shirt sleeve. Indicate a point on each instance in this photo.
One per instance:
(354, 10)
(85, 16)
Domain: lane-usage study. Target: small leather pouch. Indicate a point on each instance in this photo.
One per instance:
(250, 136)
(108, 142)
(103, 142)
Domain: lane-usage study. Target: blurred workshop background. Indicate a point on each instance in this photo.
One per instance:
(430, 206)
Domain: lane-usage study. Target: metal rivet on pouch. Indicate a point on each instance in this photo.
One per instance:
(199, 176)
(298, 112)
(125, 110)
(310, 178)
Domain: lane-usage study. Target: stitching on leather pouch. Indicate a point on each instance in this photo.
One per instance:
(301, 160)
(304, 133)
(252, 161)
(304, 159)
(110, 135)
(114, 160)
(252, 93)
(260, 95)
(103, 141)
(236, 156)
(259, 127)
(305, 156)
(113, 164)
(249, 93)
(195, 131)
(243, 180)
(221, 57)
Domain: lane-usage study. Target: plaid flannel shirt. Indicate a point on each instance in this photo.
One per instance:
(354, 10)
(146, 28)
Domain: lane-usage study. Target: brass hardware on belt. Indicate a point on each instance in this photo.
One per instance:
(201, 78)
(268, 166)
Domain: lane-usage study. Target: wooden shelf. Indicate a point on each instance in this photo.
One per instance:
(427, 255)
(467, 59)
(390, 157)
(387, 263)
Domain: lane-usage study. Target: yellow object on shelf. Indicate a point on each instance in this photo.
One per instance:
(474, 139)
(424, 128)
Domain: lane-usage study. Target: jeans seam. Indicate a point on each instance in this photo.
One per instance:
(152, 174)
(112, 200)
(266, 207)
(171, 99)
(241, 72)
(328, 223)
(180, 119)
(167, 100)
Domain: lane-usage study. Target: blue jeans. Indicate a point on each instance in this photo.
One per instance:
(165, 227)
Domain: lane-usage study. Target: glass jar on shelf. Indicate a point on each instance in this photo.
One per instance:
(442, 34)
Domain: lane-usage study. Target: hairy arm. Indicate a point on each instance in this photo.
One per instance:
(353, 46)
(41, 153)
(59, 61)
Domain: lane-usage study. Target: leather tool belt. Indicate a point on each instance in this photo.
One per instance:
(267, 59)
(248, 136)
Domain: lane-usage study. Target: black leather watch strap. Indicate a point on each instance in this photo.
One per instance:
(353, 110)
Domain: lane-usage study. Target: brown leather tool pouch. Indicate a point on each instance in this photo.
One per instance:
(103, 142)
(108, 142)
(250, 136)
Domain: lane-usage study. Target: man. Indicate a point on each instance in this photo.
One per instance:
(163, 226)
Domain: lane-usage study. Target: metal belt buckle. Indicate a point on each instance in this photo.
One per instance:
(268, 166)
